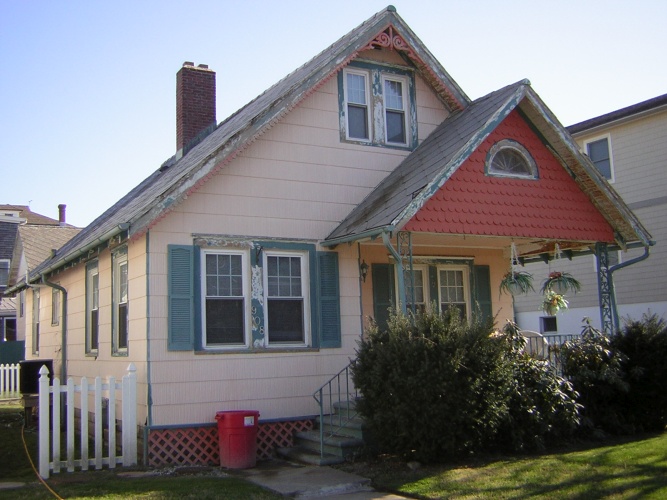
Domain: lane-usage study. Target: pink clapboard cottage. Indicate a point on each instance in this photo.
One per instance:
(241, 273)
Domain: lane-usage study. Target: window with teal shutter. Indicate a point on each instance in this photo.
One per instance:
(383, 292)
(181, 297)
(329, 300)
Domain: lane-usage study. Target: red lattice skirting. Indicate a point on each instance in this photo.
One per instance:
(198, 445)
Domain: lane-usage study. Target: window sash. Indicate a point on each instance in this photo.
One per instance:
(394, 104)
(600, 154)
(453, 289)
(120, 328)
(35, 321)
(55, 306)
(356, 104)
(224, 299)
(286, 292)
(92, 308)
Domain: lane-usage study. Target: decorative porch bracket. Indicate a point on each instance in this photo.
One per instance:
(405, 251)
(605, 288)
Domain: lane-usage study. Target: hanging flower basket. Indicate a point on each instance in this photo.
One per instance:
(560, 283)
(553, 302)
(517, 283)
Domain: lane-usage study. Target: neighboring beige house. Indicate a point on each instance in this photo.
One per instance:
(629, 146)
(26, 240)
(240, 274)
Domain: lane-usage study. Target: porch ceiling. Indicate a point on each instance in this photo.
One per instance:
(527, 248)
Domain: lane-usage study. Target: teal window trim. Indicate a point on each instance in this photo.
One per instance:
(376, 74)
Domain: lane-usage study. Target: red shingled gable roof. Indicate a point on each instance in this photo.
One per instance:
(552, 206)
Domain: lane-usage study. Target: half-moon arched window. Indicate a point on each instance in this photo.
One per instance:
(508, 158)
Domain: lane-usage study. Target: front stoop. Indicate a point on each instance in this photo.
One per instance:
(343, 438)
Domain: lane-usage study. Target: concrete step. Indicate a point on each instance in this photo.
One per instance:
(345, 408)
(310, 457)
(341, 446)
(343, 427)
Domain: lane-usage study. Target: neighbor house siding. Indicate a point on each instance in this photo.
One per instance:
(639, 155)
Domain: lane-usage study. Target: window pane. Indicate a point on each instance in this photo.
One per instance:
(285, 320)
(224, 276)
(123, 282)
(122, 326)
(452, 291)
(94, 329)
(510, 161)
(395, 127)
(224, 321)
(356, 88)
(393, 94)
(284, 276)
(357, 122)
(96, 291)
(598, 152)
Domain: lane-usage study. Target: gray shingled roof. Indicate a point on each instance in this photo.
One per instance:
(147, 203)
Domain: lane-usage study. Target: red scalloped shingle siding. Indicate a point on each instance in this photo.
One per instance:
(552, 206)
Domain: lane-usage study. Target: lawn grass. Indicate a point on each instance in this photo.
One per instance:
(211, 483)
(626, 469)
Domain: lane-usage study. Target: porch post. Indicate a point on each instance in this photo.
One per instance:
(399, 270)
(605, 288)
(405, 248)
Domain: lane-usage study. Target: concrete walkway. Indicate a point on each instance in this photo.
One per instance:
(306, 481)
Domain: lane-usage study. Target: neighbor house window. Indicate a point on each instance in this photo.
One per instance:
(92, 307)
(119, 299)
(35, 320)
(4, 273)
(599, 151)
(508, 158)
(286, 293)
(376, 105)
(55, 305)
(453, 289)
(225, 307)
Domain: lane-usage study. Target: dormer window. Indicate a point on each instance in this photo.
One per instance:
(377, 105)
(508, 158)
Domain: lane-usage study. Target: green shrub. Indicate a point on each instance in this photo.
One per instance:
(594, 368)
(435, 387)
(542, 405)
(644, 347)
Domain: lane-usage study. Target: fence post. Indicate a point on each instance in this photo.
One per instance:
(111, 419)
(44, 392)
(85, 465)
(130, 416)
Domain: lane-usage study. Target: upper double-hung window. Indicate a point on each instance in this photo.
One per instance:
(599, 151)
(377, 105)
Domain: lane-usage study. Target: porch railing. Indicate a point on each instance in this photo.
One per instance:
(340, 391)
(547, 347)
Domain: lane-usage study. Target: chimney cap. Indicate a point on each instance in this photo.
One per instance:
(188, 63)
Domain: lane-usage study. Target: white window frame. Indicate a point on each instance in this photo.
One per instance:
(92, 304)
(119, 259)
(586, 142)
(305, 296)
(247, 317)
(369, 107)
(406, 107)
(465, 271)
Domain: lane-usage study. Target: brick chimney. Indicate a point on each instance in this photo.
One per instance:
(195, 104)
(61, 214)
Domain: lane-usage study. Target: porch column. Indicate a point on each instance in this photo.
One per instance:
(605, 289)
(399, 270)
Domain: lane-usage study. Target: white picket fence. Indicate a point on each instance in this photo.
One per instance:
(9, 380)
(50, 397)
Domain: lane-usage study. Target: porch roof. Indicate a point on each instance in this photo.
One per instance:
(404, 191)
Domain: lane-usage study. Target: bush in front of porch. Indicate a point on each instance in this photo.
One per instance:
(435, 387)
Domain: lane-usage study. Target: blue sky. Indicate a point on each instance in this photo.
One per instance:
(87, 88)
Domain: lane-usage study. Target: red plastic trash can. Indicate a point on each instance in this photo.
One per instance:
(237, 434)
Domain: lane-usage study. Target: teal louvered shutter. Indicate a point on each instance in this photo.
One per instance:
(383, 292)
(482, 283)
(181, 297)
(329, 300)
